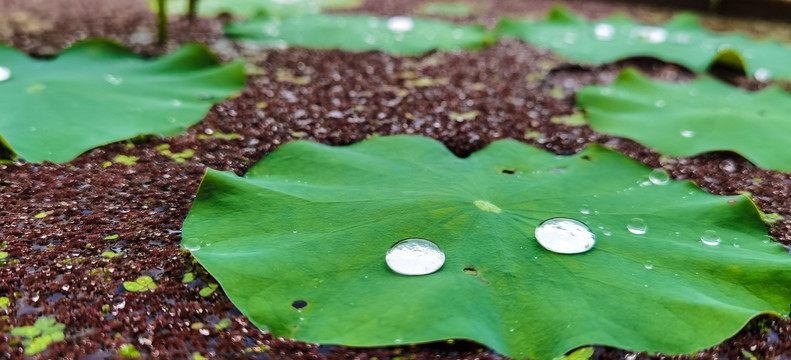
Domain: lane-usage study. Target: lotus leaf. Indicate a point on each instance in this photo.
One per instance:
(691, 118)
(682, 40)
(97, 92)
(299, 244)
(399, 35)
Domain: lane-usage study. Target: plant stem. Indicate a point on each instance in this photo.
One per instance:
(162, 23)
(193, 4)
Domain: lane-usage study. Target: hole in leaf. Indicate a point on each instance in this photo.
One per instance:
(299, 304)
(508, 171)
(471, 271)
(586, 157)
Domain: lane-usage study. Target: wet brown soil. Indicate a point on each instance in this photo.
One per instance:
(56, 266)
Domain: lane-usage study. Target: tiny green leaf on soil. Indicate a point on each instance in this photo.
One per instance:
(126, 160)
(268, 8)
(178, 157)
(206, 291)
(43, 332)
(338, 210)
(71, 97)
(579, 354)
(398, 35)
(692, 118)
(128, 351)
(682, 40)
(143, 283)
(4, 301)
(111, 237)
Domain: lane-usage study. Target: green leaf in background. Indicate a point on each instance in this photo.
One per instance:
(270, 8)
(299, 244)
(682, 40)
(691, 118)
(41, 334)
(398, 35)
(98, 92)
(446, 9)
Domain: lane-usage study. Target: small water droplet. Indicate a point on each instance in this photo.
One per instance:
(511, 330)
(736, 245)
(648, 265)
(687, 133)
(294, 232)
(114, 80)
(415, 257)
(660, 103)
(604, 31)
(762, 74)
(565, 236)
(175, 103)
(457, 34)
(637, 226)
(728, 165)
(585, 210)
(607, 233)
(369, 39)
(710, 237)
(659, 177)
(400, 23)
(5, 73)
(651, 34)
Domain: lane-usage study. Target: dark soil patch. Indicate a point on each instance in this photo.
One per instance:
(331, 97)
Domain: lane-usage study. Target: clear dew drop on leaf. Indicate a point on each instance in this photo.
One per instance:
(710, 237)
(565, 236)
(415, 257)
(637, 226)
(5, 73)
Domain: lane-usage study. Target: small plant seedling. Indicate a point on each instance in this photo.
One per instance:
(44, 331)
(128, 351)
(4, 301)
(143, 283)
(162, 22)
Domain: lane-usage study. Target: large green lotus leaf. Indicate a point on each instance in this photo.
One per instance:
(691, 118)
(272, 8)
(682, 40)
(97, 92)
(399, 35)
(313, 223)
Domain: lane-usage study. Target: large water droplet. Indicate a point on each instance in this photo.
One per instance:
(710, 237)
(762, 74)
(5, 73)
(604, 31)
(565, 236)
(637, 226)
(415, 257)
(659, 177)
(687, 133)
(400, 23)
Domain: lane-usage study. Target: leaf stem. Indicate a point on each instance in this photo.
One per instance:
(162, 22)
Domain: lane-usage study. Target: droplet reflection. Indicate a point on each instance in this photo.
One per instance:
(565, 236)
(5, 73)
(415, 257)
(400, 23)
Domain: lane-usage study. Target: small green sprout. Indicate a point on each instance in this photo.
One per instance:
(43, 214)
(219, 135)
(111, 237)
(770, 218)
(128, 351)
(38, 336)
(557, 93)
(208, 290)
(3, 255)
(110, 254)
(576, 119)
(143, 283)
(748, 355)
(162, 22)
(188, 277)
(127, 160)
(105, 309)
(460, 117)
(164, 149)
(197, 356)
(4, 301)
(224, 323)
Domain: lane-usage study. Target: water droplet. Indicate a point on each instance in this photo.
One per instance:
(605, 91)
(637, 226)
(728, 165)
(487, 206)
(607, 233)
(651, 34)
(369, 39)
(192, 244)
(114, 80)
(565, 236)
(660, 103)
(680, 38)
(175, 103)
(415, 257)
(511, 330)
(710, 237)
(648, 265)
(400, 23)
(762, 74)
(687, 133)
(736, 245)
(294, 232)
(659, 177)
(5, 73)
(604, 31)
(585, 210)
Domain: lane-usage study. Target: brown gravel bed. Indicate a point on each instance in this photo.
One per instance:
(331, 97)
